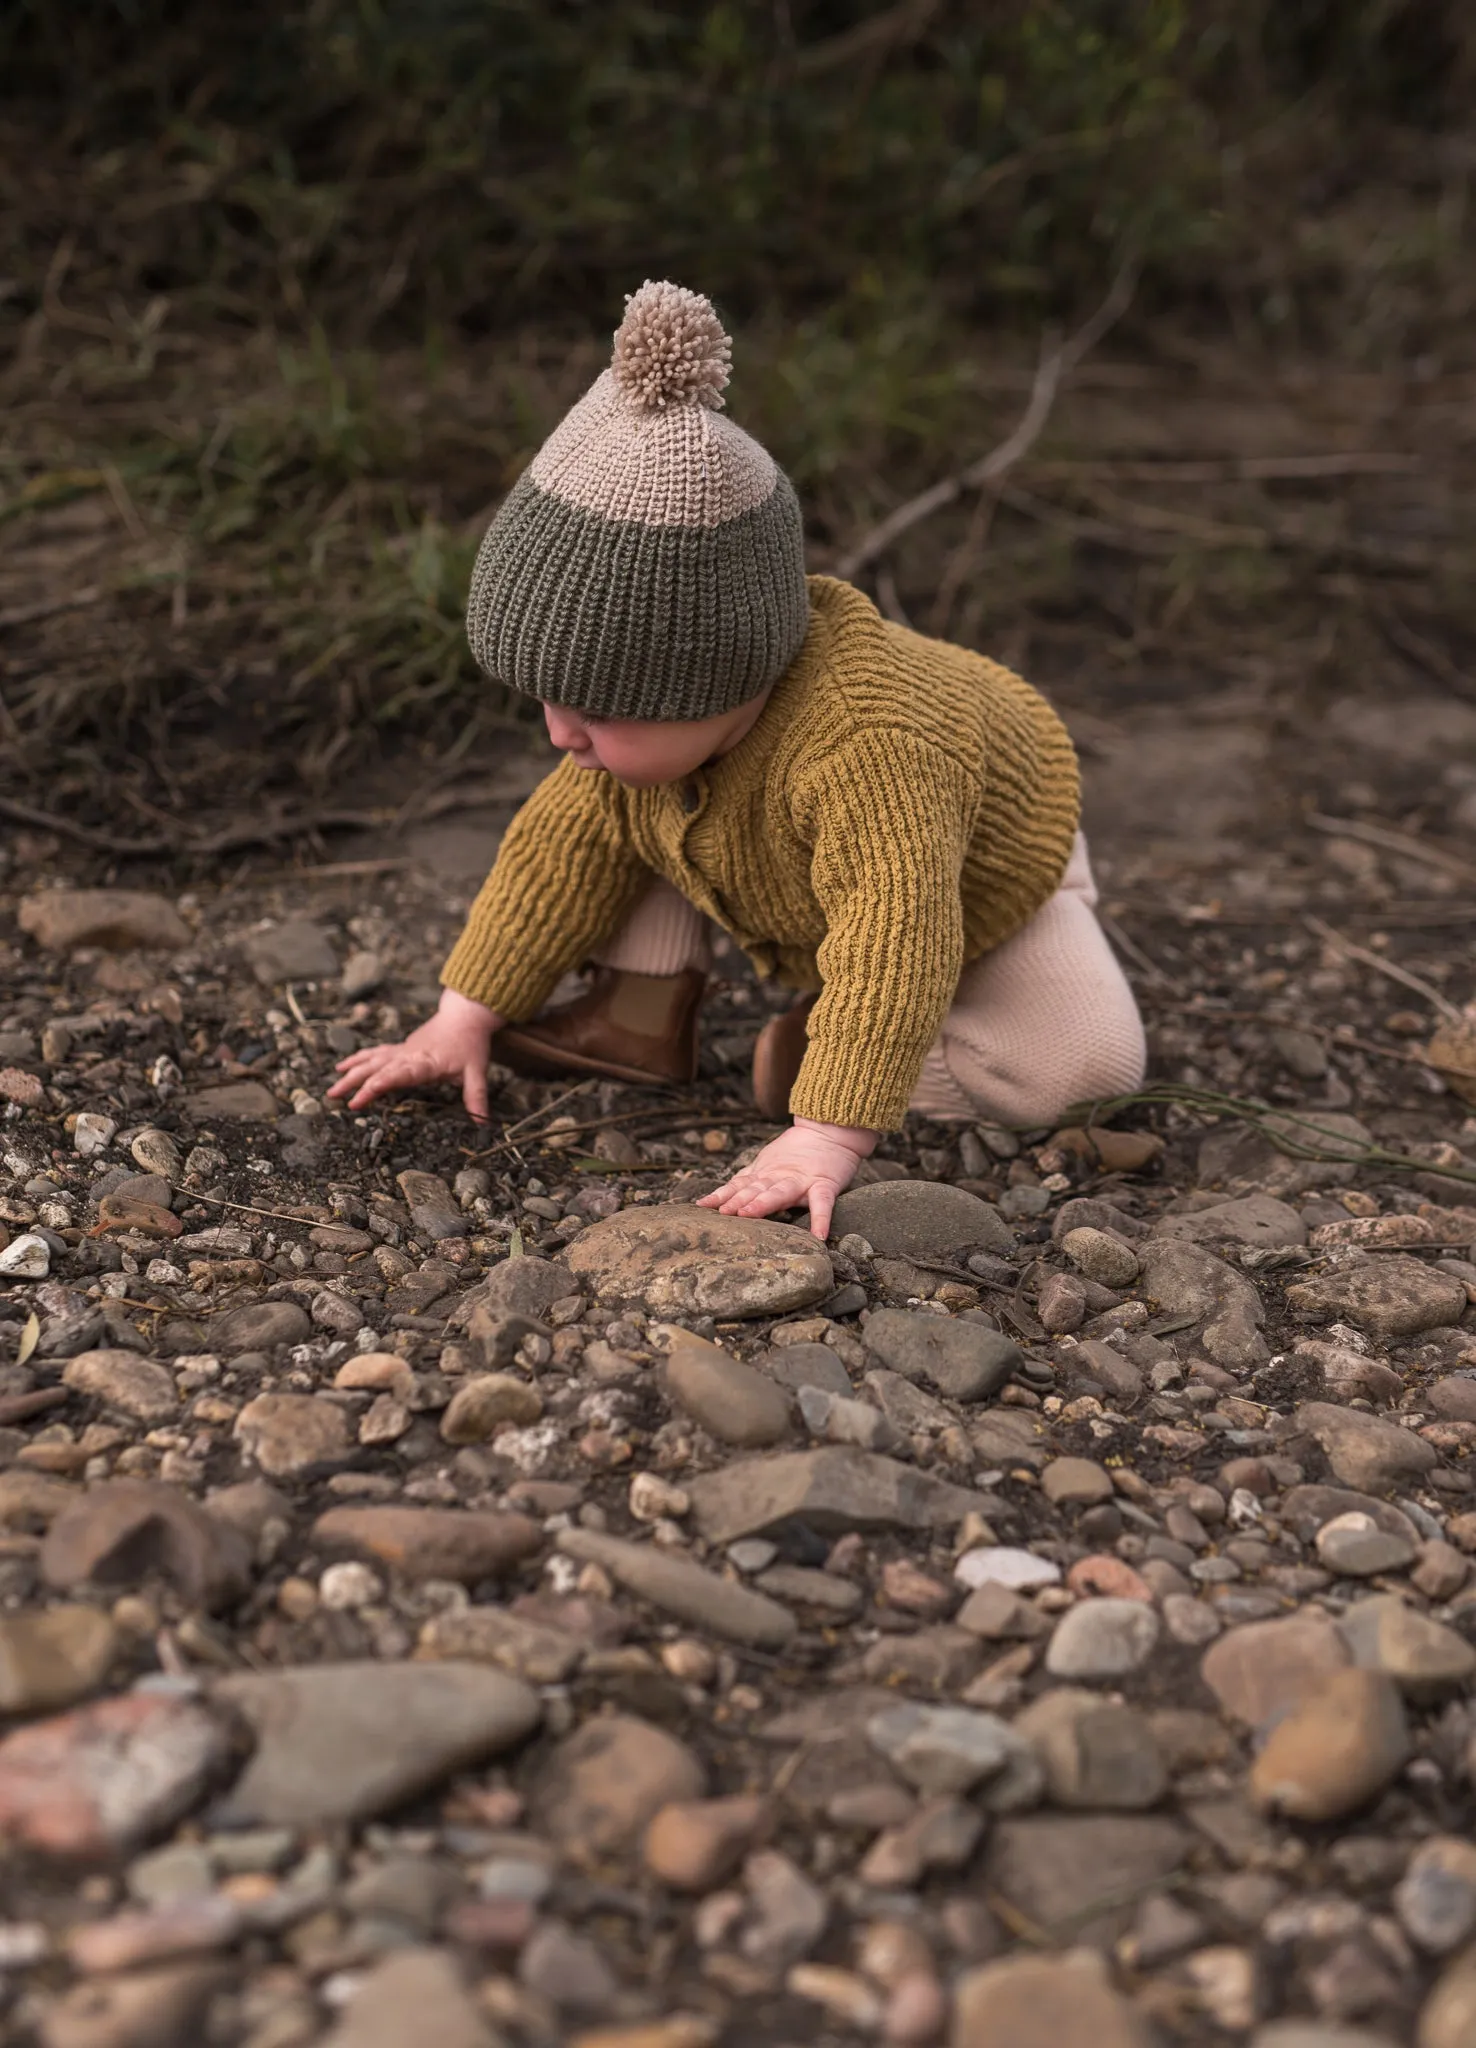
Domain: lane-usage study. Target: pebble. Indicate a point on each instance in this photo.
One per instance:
(1436, 1897)
(1441, 1571)
(1356, 1546)
(491, 1635)
(260, 1326)
(155, 2008)
(848, 1998)
(1257, 1220)
(292, 1434)
(121, 1530)
(414, 1994)
(362, 974)
(912, 1219)
(1424, 1657)
(1364, 1451)
(156, 1152)
(295, 950)
(831, 1489)
(1448, 2017)
(964, 1361)
(53, 1659)
(343, 1588)
(1095, 1754)
(1102, 1638)
(951, 1749)
(121, 1380)
(432, 1543)
(92, 1134)
(788, 1913)
(1060, 2001)
(680, 1587)
(1185, 1280)
(234, 1102)
(808, 1365)
(1317, 2034)
(28, 1090)
(26, 1257)
(1264, 1670)
(480, 1405)
(1387, 1297)
(1075, 1482)
(1100, 1257)
(1000, 1565)
(841, 1421)
(183, 1927)
(105, 1778)
(1334, 1752)
(601, 1787)
(730, 1400)
(695, 1845)
(343, 1742)
(676, 1260)
(59, 920)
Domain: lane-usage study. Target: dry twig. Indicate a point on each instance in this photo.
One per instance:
(1388, 840)
(1056, 363)
(1388, 968)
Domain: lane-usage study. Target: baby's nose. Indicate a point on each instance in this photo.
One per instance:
(564, 728)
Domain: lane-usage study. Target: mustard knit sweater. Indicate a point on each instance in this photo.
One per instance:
(900, 807)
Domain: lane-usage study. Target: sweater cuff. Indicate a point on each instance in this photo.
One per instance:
(866, 1089)
(516, 988)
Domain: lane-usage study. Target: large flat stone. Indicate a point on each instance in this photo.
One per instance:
(921, 1219)
(1082, 1876)
(246, 1102)
(1389, 1296)
(833, 1489)
(1365, 1452)
(122, 919)
(343, 1742)
(679, 1260)
(964, 1361)
(1185, 1280)
(1254, 1220)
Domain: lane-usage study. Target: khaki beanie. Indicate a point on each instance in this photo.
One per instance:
(649, 563)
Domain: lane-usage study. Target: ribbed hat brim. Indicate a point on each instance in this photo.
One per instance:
(619, 619)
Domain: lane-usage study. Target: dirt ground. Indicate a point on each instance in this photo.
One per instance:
(1281, 805)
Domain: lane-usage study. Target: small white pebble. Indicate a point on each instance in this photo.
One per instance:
(344, 1587)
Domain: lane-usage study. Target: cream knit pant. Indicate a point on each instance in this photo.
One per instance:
(1045, 1020)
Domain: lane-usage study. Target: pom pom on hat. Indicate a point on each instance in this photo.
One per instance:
(670, 349)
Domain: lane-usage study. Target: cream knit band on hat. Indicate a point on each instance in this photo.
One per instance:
(650, 561)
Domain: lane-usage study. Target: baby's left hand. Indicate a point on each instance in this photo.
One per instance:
(810, 1165)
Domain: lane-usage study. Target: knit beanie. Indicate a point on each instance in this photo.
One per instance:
(649, 563)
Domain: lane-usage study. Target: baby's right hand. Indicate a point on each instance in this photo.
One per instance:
(454, 1045)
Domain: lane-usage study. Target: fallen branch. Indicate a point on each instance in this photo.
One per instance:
(1056, 363)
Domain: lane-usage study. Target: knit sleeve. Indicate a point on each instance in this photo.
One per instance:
(565, 878)
(890, 820)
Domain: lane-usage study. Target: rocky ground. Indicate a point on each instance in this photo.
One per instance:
(451, 1588)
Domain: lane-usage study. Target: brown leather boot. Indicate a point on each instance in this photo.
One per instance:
(778, 1054)
(631, 1027)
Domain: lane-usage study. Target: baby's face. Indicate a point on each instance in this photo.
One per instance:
(642, 752)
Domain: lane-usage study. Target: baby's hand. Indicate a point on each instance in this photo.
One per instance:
(454, 1045)
(811, 1164)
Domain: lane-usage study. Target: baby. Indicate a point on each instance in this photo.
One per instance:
(884, 823)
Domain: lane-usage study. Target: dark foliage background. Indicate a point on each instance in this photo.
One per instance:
(292, 292)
